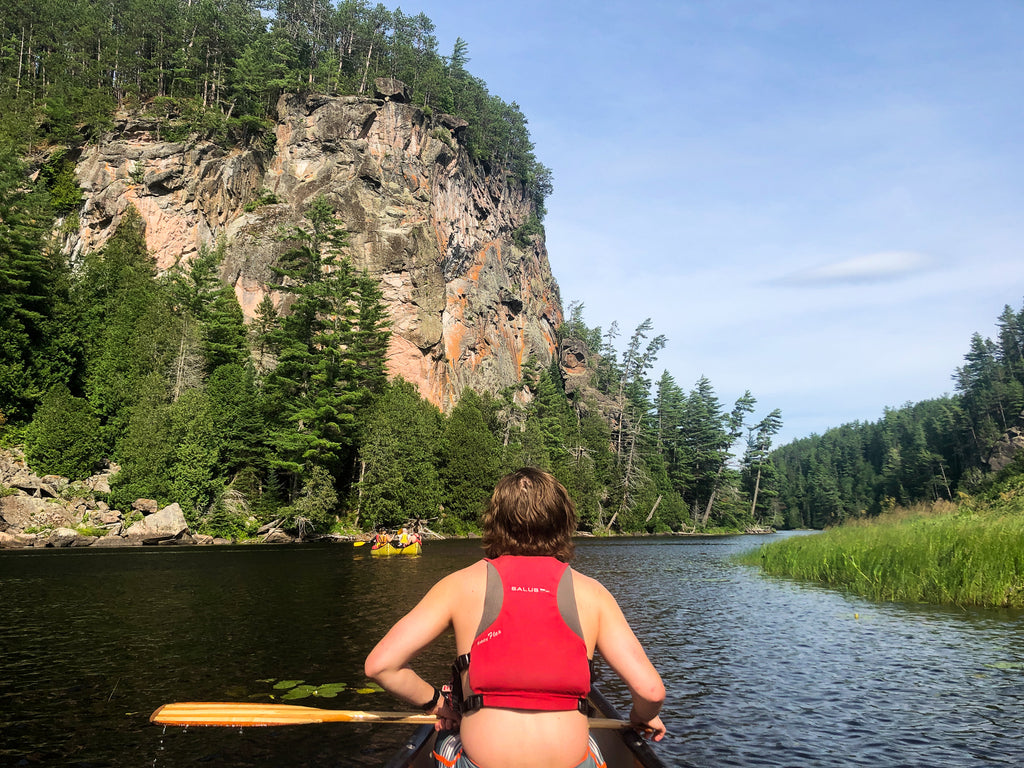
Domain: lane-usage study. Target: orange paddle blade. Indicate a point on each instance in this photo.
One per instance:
(249, 714)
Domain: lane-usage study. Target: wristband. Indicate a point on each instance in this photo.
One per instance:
(433, 702)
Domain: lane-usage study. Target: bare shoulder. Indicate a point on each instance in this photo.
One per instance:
(589, 589)
(465, 580)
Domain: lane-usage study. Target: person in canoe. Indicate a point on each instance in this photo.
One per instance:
(403, 538)
(381, 538)
(526, 627)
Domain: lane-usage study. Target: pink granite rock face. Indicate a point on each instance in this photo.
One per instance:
(468, 303)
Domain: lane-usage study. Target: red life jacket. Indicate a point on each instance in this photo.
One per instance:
(529, 651)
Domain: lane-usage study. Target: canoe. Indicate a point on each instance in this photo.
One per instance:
(390, 549)
(621, 748)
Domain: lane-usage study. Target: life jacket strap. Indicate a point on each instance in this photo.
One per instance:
(476, 701)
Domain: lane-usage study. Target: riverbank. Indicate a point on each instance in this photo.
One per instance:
(54, 512)
(965, 554)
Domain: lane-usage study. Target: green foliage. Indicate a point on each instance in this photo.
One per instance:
(216, 71)
(266, 197)
(944, 554)
(92, 530)
(63, 438)
(58, 178)
(144, 451)
(468, 459)
(921, 452)
(400, 478)
(329, 349)
(193, 469)
(221, 522)
(25, 292)
(316, 505)
(126, 324)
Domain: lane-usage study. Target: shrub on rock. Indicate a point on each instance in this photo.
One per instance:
(63, 438)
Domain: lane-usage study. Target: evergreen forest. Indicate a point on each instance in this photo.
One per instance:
(217, 68)
(935, 450)
(291, 416)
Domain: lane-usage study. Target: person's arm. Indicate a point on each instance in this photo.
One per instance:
(619, 646)
(388, 662)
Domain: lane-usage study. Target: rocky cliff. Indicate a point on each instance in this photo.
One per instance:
(468, 304)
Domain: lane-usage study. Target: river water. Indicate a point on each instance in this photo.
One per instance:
(760, 672)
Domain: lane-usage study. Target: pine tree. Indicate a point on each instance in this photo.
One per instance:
(63, 438)
(757, 461)
(400, 480)
(468, 457)
(237, 424)
(329, 352)
(23, 288)
(128, 327)
(194, 482)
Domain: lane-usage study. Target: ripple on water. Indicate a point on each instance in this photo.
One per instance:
(772, 673)
(760, 672)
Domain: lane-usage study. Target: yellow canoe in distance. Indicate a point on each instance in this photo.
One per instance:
(390, 549)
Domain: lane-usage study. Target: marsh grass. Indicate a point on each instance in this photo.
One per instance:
(968, 554)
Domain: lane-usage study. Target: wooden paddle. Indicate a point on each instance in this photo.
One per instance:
(254, 714)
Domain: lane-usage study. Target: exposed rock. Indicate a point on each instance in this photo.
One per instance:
(32, 512)
(572, 358)
(15, 540)
(106, 518)
(1011, 443)
(277, 536)
(100, 483)
(169, 522)
(145, 506)
(468, 304)
(112, 541)
(576, 376)
(19, 511)
(35, 485)
(183, 538)
(61, 537)
(392, 90)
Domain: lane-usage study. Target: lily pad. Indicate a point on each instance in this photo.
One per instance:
(300, 692)
(330, 690)
(280, 686)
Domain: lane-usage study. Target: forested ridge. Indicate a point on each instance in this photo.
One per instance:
(291, 416)
(922, 452)
(216, 68)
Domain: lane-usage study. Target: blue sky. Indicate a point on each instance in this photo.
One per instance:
(818, 201)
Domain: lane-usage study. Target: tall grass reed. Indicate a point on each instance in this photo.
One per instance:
(944, 554)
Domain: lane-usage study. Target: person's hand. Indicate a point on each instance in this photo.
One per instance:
(653, 728)
(447, 717)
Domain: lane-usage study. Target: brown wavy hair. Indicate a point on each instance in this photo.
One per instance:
(530, 513)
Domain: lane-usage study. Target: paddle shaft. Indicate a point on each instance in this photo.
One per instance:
(249, 714)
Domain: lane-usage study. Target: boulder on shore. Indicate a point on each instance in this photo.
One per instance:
(168, 523)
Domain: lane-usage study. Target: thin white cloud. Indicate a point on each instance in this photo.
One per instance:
(885, 266)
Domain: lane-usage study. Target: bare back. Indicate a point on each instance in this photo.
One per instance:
(509, 738)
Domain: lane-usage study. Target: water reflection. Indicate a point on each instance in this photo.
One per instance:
(761, 672)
